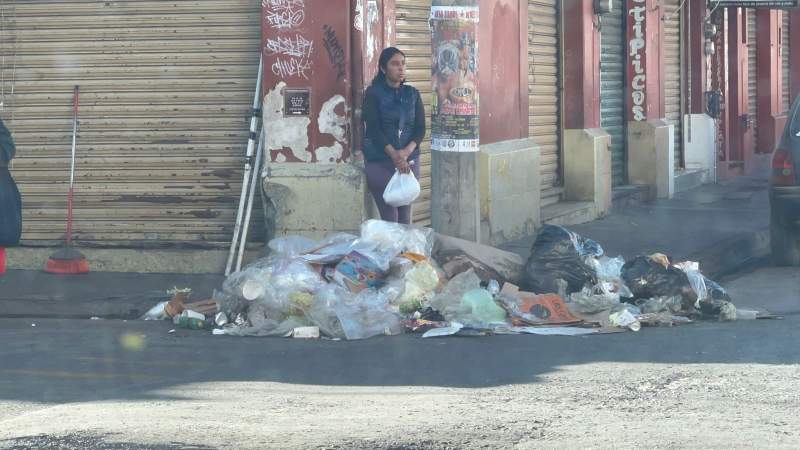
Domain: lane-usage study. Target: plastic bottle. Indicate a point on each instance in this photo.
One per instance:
(192, 323)
(493, 288)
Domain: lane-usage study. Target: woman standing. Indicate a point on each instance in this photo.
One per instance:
(10, 201)
(395, 127)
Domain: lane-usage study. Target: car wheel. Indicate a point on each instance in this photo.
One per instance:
(785, 245)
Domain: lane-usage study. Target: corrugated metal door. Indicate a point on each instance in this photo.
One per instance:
(612, 87)
(752, 81)
(785, 47)
(414, 39)
(166, 91)
(673, 72)
(544, 92)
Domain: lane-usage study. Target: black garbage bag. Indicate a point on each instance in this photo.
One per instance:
(717, 301)
(560, 253)
(647, 278)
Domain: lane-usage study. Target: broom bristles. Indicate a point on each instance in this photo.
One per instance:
(67, 261)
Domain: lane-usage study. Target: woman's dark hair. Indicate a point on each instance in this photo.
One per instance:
(383, 62)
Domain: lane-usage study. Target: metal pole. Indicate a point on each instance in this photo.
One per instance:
(248, 165)
(253, 185)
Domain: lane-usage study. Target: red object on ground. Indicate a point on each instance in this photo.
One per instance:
(2, 260)
(68, 260)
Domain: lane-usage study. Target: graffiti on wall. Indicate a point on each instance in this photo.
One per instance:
(335, 51)
(292, 51)
(284, 14)
(637, 50)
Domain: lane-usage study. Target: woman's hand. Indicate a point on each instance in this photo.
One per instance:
(408, 150)
(400, 162)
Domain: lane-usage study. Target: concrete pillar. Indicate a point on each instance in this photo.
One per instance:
(587, 148)
(510, 190)
(650, 136)
(313, 183)
(740, 132)
(694, 14)
(587, 167)
(700, 131)
(652, 163)
(771, 119)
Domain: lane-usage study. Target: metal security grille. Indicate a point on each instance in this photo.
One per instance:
(752, 81)
(166, 91)
(785, 48)
(612, 88)
(544, 92)
(673, 70)
(414, 39)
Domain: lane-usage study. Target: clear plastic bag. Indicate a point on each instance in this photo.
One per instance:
(463, 300)
(448, 302)
(655, 305)
(419, 285)
(396, 238)
(291, 245)
(594, 300)
(608, 268)
(367, 315)
(340, 314)
(402, 189)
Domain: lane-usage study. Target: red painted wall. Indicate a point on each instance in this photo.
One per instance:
(502, 70)
(307, 45)
(794, 58)
(581, 66)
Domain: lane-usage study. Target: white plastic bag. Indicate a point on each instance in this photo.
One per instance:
(402, 189)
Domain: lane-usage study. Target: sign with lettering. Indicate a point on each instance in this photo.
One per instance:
(765, 4)
(297, 102)
(637, 60)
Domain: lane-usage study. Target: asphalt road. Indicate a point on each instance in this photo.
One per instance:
(74, 384)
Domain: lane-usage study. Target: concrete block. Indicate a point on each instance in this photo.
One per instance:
(587, 168)
(509, 186)
(314, 199)
(700, 145)
(651, 150)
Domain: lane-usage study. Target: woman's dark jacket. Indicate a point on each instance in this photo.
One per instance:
(392, 116)
(10, 200)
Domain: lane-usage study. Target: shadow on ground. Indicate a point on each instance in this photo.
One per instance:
(59, 361)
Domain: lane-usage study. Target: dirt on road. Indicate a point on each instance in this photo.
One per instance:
(597, 405)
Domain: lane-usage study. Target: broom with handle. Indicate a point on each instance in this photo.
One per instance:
(67, 260)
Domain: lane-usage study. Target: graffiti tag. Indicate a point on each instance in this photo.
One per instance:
(284, 14)
(335, 51)
(291, 67)
(298, 47)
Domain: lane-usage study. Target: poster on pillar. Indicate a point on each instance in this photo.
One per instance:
(454, 41)
(306, 83)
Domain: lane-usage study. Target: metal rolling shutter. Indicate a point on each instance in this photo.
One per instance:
(612, 87)
(544, 92)
(414, 39)
(785, 47)
(752, 38)
(673, 72)
(166, 90)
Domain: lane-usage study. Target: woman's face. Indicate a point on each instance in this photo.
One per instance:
(396, 69)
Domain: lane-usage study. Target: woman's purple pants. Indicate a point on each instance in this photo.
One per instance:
(378, 175)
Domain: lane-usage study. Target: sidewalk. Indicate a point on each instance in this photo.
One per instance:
(722, 226)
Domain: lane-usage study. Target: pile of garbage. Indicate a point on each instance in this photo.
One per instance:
(386, 281)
